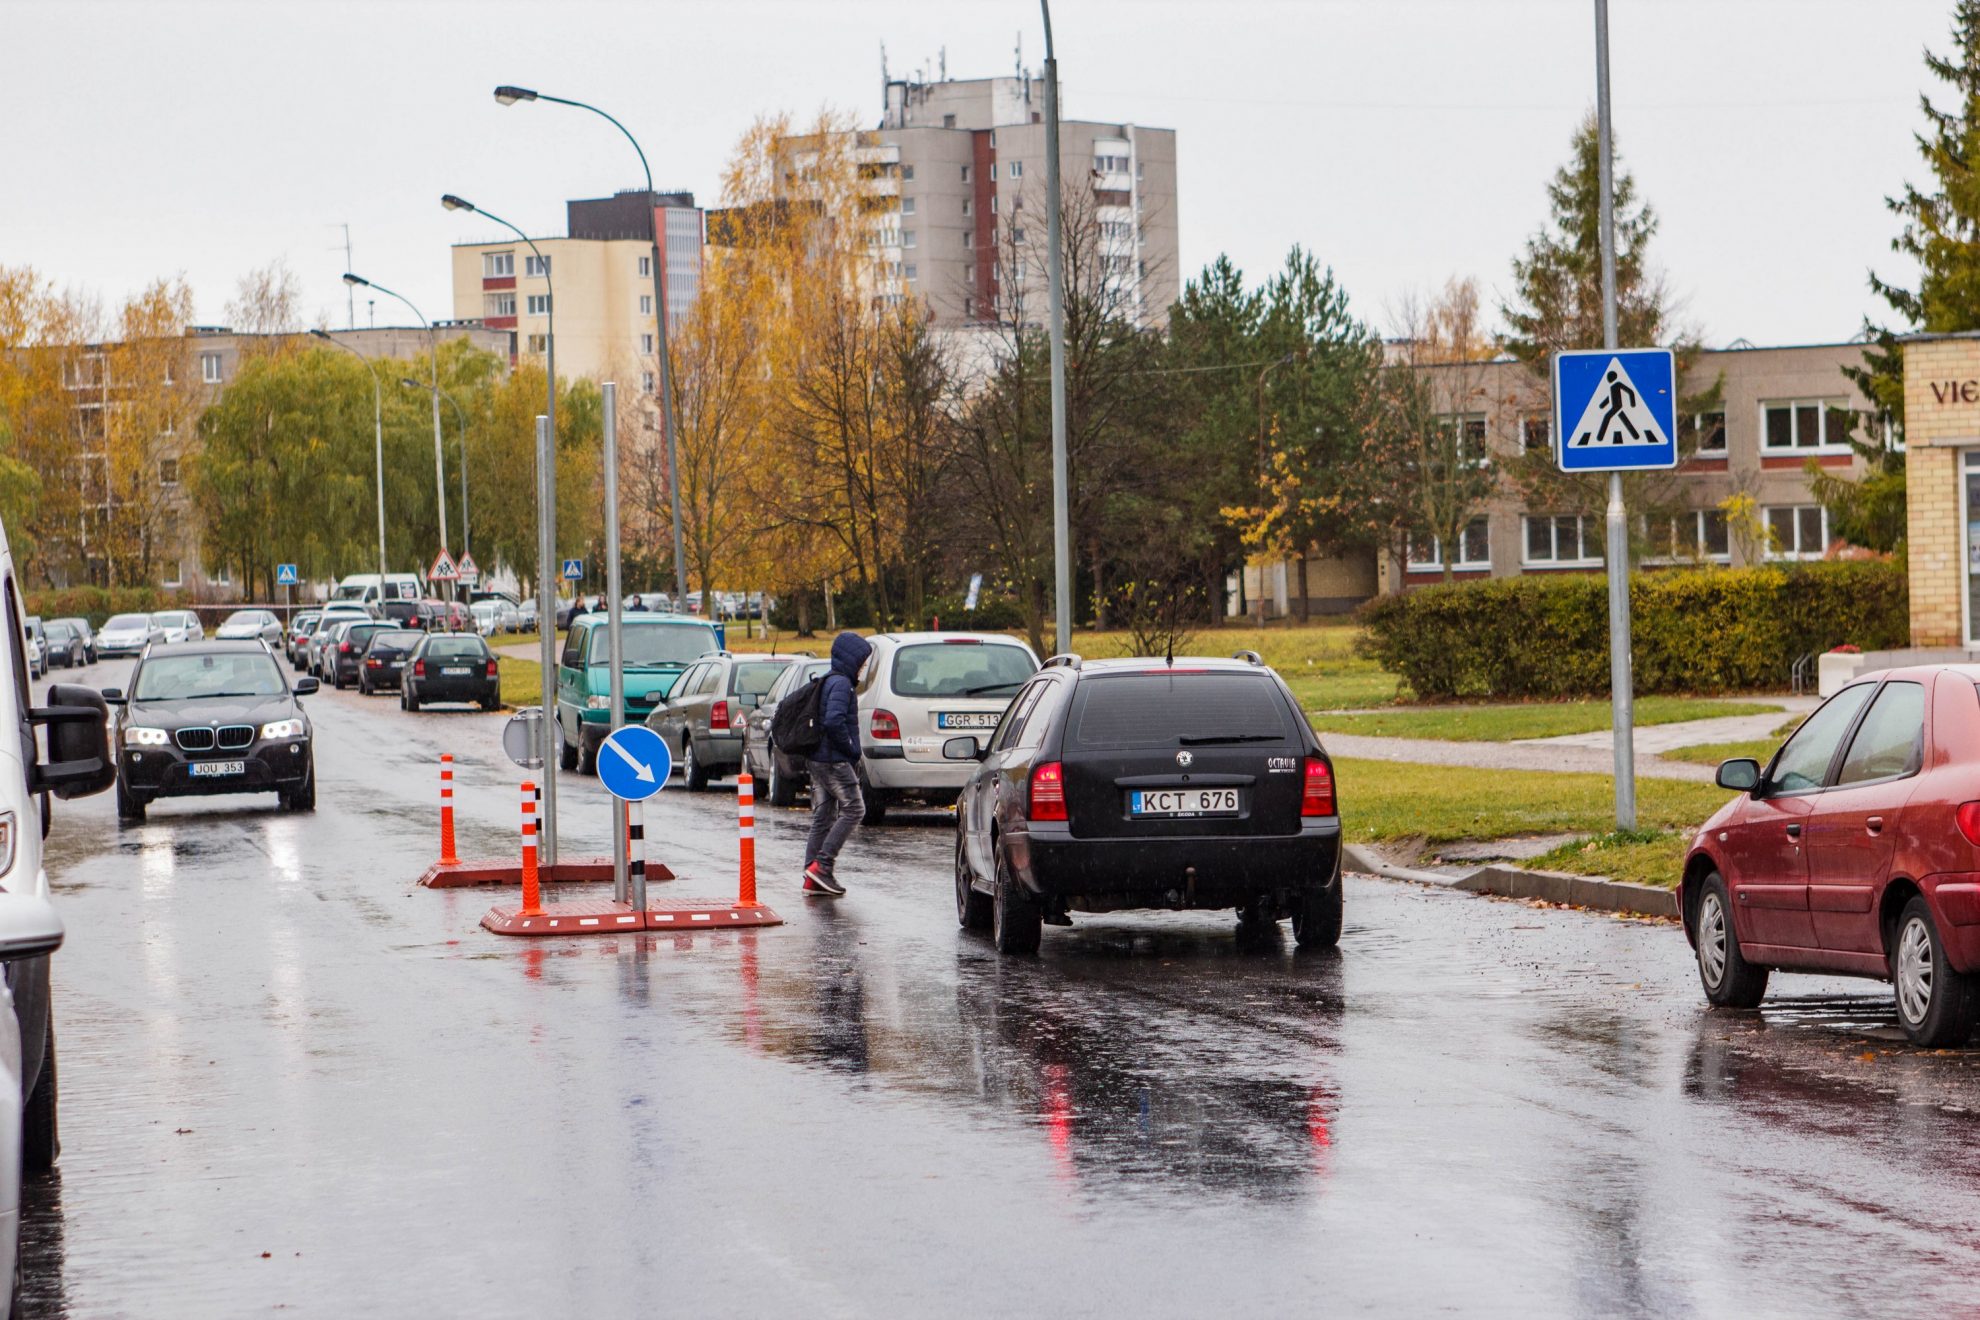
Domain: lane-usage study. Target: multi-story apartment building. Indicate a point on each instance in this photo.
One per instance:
(1777, 409)
(600, 275)
(966, 160)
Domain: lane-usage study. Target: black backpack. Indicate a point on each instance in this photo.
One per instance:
(798, 727)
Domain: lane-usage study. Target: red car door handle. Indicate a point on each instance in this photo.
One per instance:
(1874, 824)
(1794, 831)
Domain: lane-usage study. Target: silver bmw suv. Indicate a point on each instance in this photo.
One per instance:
(917, 691)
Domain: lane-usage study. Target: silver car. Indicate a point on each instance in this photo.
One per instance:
(179, 625)
(246, 625)
(917, 691)
(128, 634)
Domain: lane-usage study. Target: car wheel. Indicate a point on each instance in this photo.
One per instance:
(693, 773)
(90, 655)
(412, 699)
(782, 790)
(41, 1139)
(130, 806)
(877, 802)
(567, 755)
(1936, 1004)
(364, 689)
(304, 798)
(1729, 980)
(1015, 921)
(1316, 917)
(972, 907)
(587, 756)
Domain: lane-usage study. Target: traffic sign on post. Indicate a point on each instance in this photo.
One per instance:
(285, 575)
(1615, 410)
(444, 569)
(573, 569)
(468, 571)
(634, 762)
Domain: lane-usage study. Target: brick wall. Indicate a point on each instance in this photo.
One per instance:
(1942, 416)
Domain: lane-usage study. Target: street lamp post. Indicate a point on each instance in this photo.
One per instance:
(506, 95)
(1055, 274)
(460, 428)
(378, 440)
(439, 454)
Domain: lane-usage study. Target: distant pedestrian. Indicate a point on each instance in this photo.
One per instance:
(836, 802)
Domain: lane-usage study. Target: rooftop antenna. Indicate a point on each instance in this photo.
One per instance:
(350, 290)
(942, 61)
(1018, 56)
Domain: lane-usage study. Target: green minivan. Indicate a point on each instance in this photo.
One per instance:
(659, 648)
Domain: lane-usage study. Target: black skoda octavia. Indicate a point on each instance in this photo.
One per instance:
(211, 717)
(1116, 784)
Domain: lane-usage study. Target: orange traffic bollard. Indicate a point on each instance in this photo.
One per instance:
(746, 821)
(447, 857)
(532, 894)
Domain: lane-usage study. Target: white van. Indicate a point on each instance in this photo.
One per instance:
(362, 588)
(74, 724)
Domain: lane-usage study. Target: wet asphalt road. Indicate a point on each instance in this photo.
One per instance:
(292, 1081)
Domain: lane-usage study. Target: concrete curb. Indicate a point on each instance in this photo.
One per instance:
(1517, 882)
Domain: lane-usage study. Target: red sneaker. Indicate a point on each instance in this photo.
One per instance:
(817, 882)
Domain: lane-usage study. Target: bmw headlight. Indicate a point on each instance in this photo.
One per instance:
(283, 729)
(141, 737)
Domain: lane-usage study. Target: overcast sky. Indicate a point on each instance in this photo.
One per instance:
(1402, 141)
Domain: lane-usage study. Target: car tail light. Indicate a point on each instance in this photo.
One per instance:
(885, 726)
(1968, 819)
(1318, 798)
(1048, 792)
(419, 669)
(718, 715)
(372, 662)
(491, 669)
(344, 647)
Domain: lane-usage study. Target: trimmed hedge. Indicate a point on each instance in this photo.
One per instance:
(1716, 630)
(98, 603)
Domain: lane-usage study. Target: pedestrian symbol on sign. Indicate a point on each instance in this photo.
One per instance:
(573, 569)
(1615, 409)
(285, 575)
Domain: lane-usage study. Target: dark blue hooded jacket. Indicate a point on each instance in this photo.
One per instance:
(838, 703)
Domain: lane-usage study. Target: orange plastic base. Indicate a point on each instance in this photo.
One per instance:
(604, 917)
(706, 913)
(588, 870)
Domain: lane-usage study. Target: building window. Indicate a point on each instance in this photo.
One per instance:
(646, 343)
(646, 304)
(907, 238)
(969, 238)
(646, 267)
(646, 381)
(539, 304)
(1697, 536)
(168, 471)
(949, 121)
(993, 167)
(1110, 164)
(539, 343)
(536, 267)
(907, 206)
(969, 274)
(1469, 428)
(969, 307)
(1798, 531)
(910, 270)
(495, 265)
(1474, 550)
(993, 203)
(907, 173)
(1565, 540)
(966, 206)
(1017, 169)
(1140, 170)
(209, 368)
(503, 304)
(1804, 424)
(965, 169)
(1711, 431)
(1536, 431)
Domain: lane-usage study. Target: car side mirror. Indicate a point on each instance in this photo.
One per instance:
(306, 686)
(79, 761)
(963, 749)
(1741, 774)
(29, 927)
(113, 696)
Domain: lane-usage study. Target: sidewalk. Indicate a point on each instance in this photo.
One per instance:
(1658, 738)
(1539, 754)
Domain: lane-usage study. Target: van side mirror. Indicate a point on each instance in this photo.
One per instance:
(1740, 774)
(29, 927)
(114, 696)
(79, 760)
(963, 749)
(569, 660)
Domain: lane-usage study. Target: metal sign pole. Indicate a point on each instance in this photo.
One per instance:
(1621, 694)
(546, 627)
(1062, 605)
(613, 630)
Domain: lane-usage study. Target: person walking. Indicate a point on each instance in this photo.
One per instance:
(836, 802)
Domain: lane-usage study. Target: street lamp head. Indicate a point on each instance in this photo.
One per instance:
(507, 95)
(356, 280)
(453, 203)
(410, 383)
(322, 334)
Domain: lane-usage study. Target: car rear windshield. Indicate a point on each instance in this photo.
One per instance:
(753, 678)
(1162, 709)
(961, 669)
(128, 621)
(655, 644)
(446, 648)
(189, 677)
(405, 637)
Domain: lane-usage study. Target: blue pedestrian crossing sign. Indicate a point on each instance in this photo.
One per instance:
(285, 575)
(573, 569)
(634, 762)
(1615, 409)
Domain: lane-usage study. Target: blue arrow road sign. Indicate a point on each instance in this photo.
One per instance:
(634, 763)
(1615, 410)
(285, 575)
(573, 569)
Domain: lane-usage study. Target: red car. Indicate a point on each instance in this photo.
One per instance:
(1856, 851)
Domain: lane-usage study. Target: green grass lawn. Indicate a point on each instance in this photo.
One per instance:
(1644, 857)
(1526, 720)
(1383, 800)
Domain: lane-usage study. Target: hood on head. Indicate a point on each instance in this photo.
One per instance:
(849, 652)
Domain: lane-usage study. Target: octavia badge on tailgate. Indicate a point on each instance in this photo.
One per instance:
(1184, 757)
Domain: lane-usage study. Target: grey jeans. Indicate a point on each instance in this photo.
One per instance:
(836, 807)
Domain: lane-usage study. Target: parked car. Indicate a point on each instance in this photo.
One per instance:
(64, 643)
(659, 648)
(362, 589)
(211, 717)
(431, 615)
(343, 655)
(917, 691)
(37, 643)
(1114, 784)
(128, 634)
(495, 616)
(781, 776)
(298, 632)
(88, 635)
(385, 657)
(247, 625)
(321, 634)
(528, 611)
(451, 667)
(704, 718)
(179, 625)
(1855, 851)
